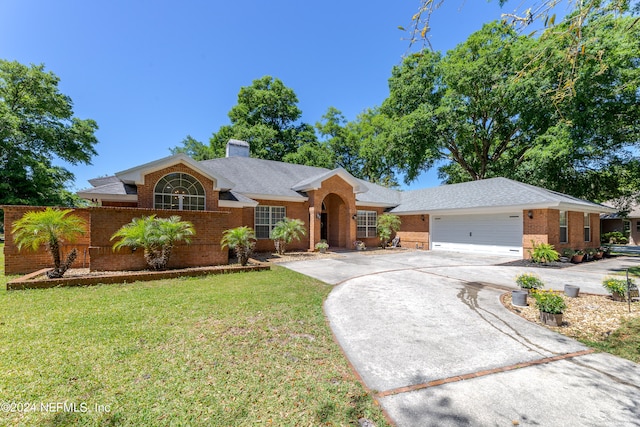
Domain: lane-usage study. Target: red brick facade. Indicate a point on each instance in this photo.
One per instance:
(414, 231)
(334, 203)
(95, 248)
(544, 227)
(145, 191)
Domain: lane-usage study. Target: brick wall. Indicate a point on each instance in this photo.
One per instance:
(340, 202)
(544, 227)
(26, 260)
(414, 231)
(95, 248)
(145, 191)
(204, 249)
(120, 204)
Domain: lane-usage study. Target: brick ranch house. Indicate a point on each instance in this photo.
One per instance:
(495, 216)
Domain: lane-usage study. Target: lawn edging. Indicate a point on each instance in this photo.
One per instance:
(28, 282)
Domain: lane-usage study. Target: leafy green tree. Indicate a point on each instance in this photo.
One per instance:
(475, 115)
(242, 240)
(157, 236)
(591, 150)
(286, 231)
(267, 117)
(387, 225)
(36, 125)
(194, 149)
(51, 228)
(468, 108)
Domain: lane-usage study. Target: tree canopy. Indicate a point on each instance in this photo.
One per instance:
(36, 125)
(474, 112)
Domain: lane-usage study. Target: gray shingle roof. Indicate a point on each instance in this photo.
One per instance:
(488, 193)
(257, 177)
(116, 187)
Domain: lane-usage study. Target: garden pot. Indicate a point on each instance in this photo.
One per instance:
(519, 298)
(571, 291)
(598, 255)
(551, 319)
(618, 297)
(577, 259)
(322, 250)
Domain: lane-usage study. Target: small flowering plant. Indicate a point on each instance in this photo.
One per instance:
(359, 245)
(617, 286)
(529, 281)
(549, 302)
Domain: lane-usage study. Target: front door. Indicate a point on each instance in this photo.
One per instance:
(323, 226)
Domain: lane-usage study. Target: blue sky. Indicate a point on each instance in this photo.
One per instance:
(151, 72)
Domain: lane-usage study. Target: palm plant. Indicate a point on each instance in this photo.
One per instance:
(286, 231)
(241, 240)
(157, 236)
(51, 228)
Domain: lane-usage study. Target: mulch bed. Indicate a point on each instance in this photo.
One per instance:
(590, 317)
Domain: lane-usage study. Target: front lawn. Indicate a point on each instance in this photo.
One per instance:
(241, 349)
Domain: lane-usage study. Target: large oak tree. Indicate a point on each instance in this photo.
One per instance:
(37, 124)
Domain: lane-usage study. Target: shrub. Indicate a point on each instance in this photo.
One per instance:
(286, 231)
(322, 244)
(568, 253)
(549, 302)
(616, 286)
(241, 240)
(615, 237)
(50, 228)
(543, 252)
(387, 225)
(529, 281)
(156, 235)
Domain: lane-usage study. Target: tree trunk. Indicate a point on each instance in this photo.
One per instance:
(62, 268)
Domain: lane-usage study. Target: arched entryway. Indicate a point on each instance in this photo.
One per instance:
(334, 221)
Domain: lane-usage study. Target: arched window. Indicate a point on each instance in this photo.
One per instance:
(179, 191)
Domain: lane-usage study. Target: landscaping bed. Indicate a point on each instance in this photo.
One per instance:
(591, 319)
(84, 277)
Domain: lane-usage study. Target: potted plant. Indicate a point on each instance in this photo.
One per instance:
(567, 254)
(322, 246)
(528, 281)
(578, 256)
(543, 253)
(551, 306)
(598, 253)
(589, 254)
(359, 245)
(617, 287)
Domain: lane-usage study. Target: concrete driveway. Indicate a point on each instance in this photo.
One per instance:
(427, 333)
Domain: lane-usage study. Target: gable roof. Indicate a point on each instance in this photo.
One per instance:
(136, 174)
(494, 194)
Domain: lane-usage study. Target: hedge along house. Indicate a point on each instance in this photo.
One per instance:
(494, 216)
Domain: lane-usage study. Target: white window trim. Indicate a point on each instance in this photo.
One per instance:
(565, 226)
(271, 221)
(370, 230)
(180, 196)
(587, 226)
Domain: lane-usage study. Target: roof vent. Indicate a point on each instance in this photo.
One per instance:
(237, 148)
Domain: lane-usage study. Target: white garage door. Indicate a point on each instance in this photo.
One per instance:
(499, 234)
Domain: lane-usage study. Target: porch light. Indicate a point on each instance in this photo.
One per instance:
(530, 214)
(422, 217)
(354, 217)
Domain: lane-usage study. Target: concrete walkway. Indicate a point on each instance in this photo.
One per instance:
(432, 340)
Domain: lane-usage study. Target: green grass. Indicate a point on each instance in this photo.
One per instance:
(234, 350)
(623, 342)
